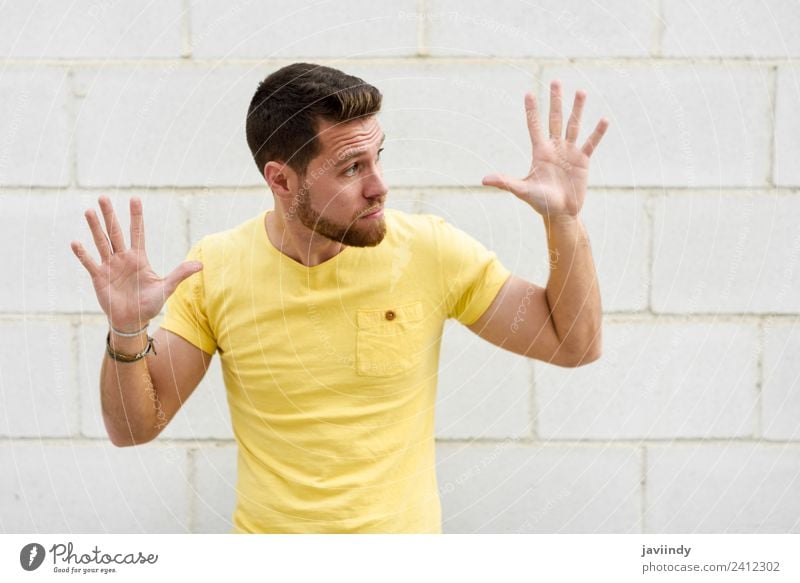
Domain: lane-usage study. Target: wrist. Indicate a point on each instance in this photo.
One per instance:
(561, 220)
(129, 331)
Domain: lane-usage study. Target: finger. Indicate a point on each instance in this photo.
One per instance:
(574, 123)
(532, 115)
(178, 274)
(98, 235)
(504, 183)
(555, 110)
(597, 135)
(112, 225)
(84, 258)
(137, 224)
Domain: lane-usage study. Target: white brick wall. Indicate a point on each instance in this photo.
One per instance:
(781, 383)
(94, 487)
(731, 488)
(674, 380)
(731, 28)
(35, 127)
(547, 28)
(37, 378)
(508, 487)
(282, 29)
(787, 127)
(675, 124)
(91, 29)
(727, 253)
(687, 423)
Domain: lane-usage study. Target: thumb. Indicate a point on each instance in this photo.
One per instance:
(180, 273)
(501, 181)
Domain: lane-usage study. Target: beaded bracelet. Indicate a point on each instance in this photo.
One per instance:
(128, 334)
(130, 357)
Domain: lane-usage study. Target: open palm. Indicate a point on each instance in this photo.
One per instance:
(128, 290)
(557, 180)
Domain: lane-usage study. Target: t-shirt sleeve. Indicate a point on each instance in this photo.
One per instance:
(472, 275)
(187, 308)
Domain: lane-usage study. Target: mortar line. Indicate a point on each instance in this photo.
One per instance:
(72, 120)
(758, 429)
(657, 46)
(589, 442)
(186, 30)
(534, 412)
(772, 89)
(76, 360)
(650, 225)
(422, 28)
(643, 494)
(742, 61)
(191, 475)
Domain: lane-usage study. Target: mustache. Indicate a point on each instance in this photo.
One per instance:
(371, 210)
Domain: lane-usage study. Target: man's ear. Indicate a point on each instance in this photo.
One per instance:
(281, 179)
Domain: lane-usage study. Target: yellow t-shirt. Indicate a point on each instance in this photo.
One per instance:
(331, 370)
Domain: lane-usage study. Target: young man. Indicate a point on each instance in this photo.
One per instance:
(327, 312)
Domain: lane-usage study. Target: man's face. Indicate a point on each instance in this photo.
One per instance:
(344, 183)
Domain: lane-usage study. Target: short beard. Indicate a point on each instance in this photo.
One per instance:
(353, 235)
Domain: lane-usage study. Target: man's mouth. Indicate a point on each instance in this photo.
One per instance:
(373, 214)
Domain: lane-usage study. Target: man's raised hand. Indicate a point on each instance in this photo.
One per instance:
(128, 290)
(558, 176)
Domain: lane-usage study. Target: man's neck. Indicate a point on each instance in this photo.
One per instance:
(295, 240)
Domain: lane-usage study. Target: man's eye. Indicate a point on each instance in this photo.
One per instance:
(351, 170)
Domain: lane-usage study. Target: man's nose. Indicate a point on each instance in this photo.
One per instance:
(375, 186)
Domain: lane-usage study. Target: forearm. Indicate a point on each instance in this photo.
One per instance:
(573, 292)
(129, 400)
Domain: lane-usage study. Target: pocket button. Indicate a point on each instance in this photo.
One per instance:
(390, 314)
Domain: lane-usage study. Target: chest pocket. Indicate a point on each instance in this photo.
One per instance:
(389, 340)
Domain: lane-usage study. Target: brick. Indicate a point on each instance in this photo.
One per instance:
(787, 127)
(730, 28)
(450, 124)
(673, 125)
(37, 379)
(86, 488)
(513, 230)
(175, 125)
(35, 128)
(731, 488)
(726, 253)
(512, 488)
(484, 391)
(550, 28)
(45, 275)
(655, 381)
(90, 29)
(204, 414)
(780, 400)
(281, 29)
(214, 488)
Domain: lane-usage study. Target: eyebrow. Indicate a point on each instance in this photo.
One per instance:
(355, 153)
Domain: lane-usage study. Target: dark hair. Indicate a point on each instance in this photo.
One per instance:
(288, 105)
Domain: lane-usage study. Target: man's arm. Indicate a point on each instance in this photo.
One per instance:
(562, 322)
(140, 398)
